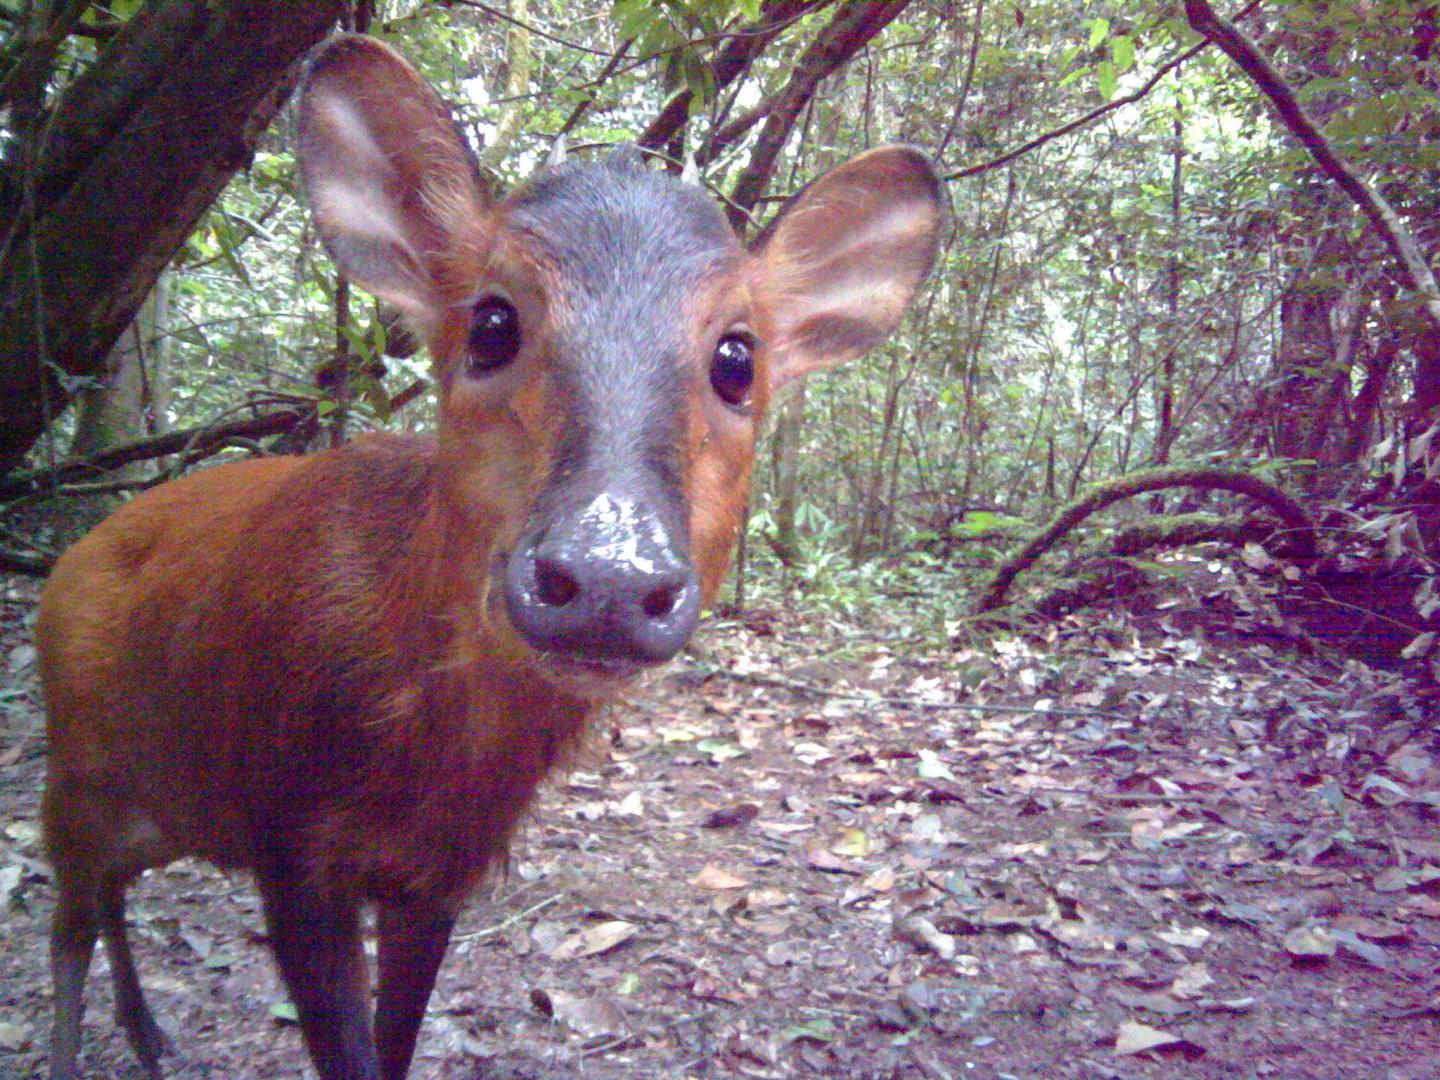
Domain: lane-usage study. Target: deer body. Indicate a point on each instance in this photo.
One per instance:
(348, 673)
(352, 663)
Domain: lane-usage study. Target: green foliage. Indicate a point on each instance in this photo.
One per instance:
(1033, 362)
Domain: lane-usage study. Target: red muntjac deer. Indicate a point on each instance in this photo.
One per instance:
(348, 672)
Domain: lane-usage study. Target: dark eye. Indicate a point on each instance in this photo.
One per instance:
(494, 335)
(732, 368)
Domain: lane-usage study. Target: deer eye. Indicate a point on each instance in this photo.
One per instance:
(732, 368)
(494, 335)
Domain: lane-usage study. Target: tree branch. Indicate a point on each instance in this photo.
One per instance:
(580, 109)
(733, 60)
(1076, 124)
(190, 440)
(852, 27)
(1414, 270)
(1241, 483)
(133, 153)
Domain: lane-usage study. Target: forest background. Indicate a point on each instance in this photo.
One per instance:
(964, 776)
(1144, 266)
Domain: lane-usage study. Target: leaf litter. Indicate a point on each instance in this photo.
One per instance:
(1121, 846)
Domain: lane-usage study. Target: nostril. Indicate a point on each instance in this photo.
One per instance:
(554, 585)
(661, 602)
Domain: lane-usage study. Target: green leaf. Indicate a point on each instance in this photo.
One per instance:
(1122, 51)
(631, 17)
(718, 750)
(285, 1012)
(821, 1030)
(1317, 87)
(1106, 78)
(1099, 30)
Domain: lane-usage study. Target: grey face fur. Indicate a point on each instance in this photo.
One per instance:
(615, 494)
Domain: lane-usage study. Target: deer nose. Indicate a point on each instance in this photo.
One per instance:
(607, 586)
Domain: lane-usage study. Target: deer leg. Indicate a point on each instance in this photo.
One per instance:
(72, 944)
(146, 1038)
(413, 936)
(316, 940)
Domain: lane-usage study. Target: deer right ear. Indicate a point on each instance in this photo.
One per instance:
(391, 182)
(842, 261)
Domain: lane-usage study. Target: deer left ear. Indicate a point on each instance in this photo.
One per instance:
(391, 183)
(841, 262)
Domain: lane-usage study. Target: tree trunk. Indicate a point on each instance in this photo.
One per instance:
(872, 509)
(1303, 366)
(789, 428)
(113, 413)
(134, 152)
(1165, 403)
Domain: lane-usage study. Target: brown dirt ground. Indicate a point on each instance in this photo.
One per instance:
(1026, 857)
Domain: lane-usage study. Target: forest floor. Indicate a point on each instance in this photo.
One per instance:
(1159, 839)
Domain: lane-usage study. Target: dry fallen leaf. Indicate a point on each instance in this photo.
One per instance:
(1136, 1038)
(817, 858)
(712, 877)
(811, 753)
(14, 1037)
(599, 938)
(1310, 943)
(726, 816)
(853, 844)
(881, 881)
(589, 1017)
(631, 805)
(1193, 978)
(922, 933)
(1185, 938)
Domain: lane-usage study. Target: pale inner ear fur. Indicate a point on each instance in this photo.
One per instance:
(391, 184)
(843, 261)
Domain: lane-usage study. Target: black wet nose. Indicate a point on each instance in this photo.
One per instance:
(604, 585)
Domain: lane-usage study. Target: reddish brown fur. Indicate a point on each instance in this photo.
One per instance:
(274, 572)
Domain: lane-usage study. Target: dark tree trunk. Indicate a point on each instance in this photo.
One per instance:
(789, 428)
(134, 152)
(1304, 364)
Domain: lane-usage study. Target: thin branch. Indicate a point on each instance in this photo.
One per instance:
(850, 30)
(1080, 122)
(1093, 114)
(189, 440)
(508, 921)
(732, 131)
(599, 80)
(1415, 271)
(975, 38)
(733, 60)
(505, 16)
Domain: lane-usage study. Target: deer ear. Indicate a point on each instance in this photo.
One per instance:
(391, 182)
(841, 262)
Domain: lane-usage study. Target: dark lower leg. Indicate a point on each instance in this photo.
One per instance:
(413, 937)
(316, 940)
(146, 1038)
(72, 943)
